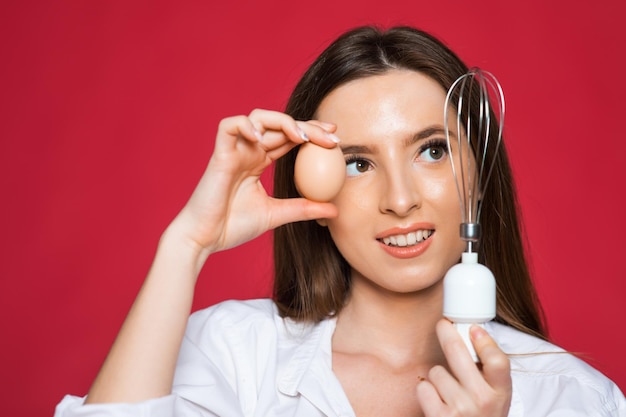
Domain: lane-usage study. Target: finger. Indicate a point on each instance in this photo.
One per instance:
(448, 388)
(238, 126)
(318, 134)
(298, 209)
(268, 120)
(329, 127)
(429, 399)
(496, 365)
(278, 128)
(280, 151)
(459, 359)
(274, 139)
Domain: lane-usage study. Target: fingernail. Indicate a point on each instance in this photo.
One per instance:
(333, 137)
(303, 135)
(258, 135)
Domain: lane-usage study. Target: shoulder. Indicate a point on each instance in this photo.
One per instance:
(224, 346)
(234, 311)
(547, 378)
(248, 322)
(232, 318)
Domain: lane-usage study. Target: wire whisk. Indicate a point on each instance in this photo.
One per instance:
(477, 142)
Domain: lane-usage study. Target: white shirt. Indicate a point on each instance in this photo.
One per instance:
(240, 358)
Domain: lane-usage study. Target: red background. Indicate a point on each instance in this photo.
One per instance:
(108, 113)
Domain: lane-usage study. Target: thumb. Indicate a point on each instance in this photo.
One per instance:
(299, 209)
(495, 363)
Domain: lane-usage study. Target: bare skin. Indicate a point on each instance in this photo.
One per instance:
(390, 338)
(391, 351)
(379, 362)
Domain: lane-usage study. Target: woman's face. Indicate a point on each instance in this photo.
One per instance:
(399, 212)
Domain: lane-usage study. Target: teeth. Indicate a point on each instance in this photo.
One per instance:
(409, 239)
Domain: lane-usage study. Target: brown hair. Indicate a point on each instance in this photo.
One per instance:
(312, 279)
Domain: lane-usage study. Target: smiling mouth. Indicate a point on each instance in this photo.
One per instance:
(408, 239)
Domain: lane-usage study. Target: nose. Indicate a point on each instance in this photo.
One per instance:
(400, 194)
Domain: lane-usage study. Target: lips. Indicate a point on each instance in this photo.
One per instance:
(407, 242)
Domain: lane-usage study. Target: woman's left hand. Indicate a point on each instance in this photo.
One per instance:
(466, 390)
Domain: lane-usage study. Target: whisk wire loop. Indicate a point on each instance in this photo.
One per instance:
(474, 140)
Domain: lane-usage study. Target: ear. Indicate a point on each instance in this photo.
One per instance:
(322, 222)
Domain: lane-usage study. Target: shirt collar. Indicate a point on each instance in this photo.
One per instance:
(309, 371)
(312, 341)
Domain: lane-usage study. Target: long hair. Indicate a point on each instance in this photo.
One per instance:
(312, 279)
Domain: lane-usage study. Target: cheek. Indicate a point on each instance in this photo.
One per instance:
(355, 204)
(355, 197)
(444, 198)
(442, 192)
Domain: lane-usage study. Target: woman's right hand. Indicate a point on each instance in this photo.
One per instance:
(230, 205)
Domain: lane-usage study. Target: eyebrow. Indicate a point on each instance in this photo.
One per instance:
(356, 149)
(421, 135)
(426, 133)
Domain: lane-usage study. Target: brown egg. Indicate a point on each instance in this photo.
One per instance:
(319, 172)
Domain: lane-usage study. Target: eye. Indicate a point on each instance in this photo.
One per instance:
(433, 151)
(356, 166)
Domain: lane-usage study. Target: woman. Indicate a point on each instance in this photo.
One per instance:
(355, 327)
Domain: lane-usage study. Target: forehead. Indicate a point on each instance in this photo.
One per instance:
(398, 100)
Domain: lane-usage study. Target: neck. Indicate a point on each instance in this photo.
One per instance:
(396, 327)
